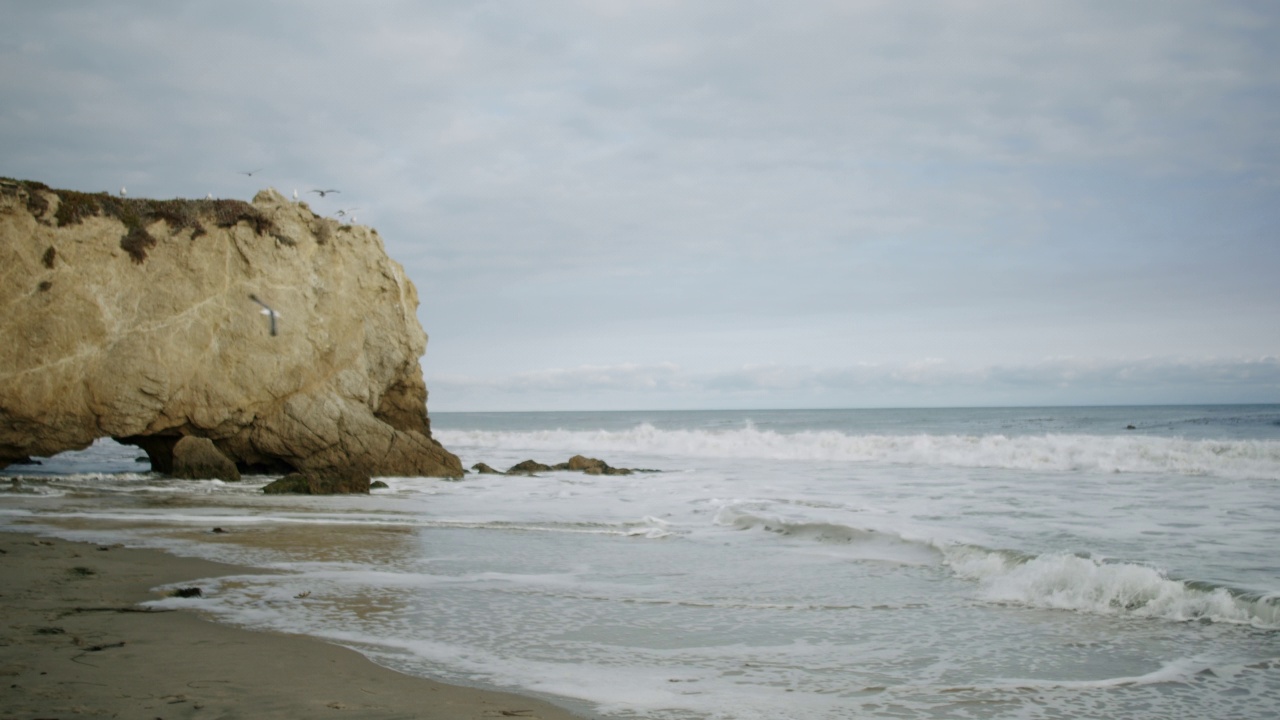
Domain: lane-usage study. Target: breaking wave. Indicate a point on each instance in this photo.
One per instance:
(1236, 459)
(1070, 582)
(1053, 581)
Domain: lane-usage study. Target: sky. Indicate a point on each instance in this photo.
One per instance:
(610, 205)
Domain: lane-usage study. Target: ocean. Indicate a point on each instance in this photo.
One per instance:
(955, 563)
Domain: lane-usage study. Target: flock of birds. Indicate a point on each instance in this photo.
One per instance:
(345, 214)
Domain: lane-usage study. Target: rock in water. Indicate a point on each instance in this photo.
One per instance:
(198, 459)
(131, 318)
(320, 484)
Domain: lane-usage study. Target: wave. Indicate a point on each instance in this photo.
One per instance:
(1062, 581)
(1233, 459)
(1056, 581)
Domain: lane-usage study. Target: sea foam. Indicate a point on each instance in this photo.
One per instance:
(1231, 459)
(1069, 582)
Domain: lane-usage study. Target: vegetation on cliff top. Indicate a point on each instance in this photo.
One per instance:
(136, 214)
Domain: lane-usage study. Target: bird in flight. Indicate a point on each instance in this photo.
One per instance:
(250, 173)
(323, 192)
(266, 310)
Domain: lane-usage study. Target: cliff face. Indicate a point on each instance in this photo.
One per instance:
(133, 319)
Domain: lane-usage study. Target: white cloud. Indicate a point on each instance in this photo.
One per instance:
(1053, 381)
(767, 186)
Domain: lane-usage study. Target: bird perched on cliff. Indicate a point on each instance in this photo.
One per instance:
(323, 192)
(266, 310)
(123, 192)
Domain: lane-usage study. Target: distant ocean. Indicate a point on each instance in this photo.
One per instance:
(1118, 562)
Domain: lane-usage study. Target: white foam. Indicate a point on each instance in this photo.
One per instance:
(1069, 582)
(1118, 454)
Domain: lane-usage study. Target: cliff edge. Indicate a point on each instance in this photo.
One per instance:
(148, 321)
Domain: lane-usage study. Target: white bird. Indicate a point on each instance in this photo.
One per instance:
(266, 310)
(123, 192)
(295, 194)
(208, 196)
(323, 192)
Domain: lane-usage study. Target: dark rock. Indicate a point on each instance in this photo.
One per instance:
(577, 463)
(379, 485)
(593, 466)
(527, 467)
(315, 484)
(197, 458)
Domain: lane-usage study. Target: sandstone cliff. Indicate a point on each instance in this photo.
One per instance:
(133, 319)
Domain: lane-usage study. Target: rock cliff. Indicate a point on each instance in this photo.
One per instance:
(133, 319)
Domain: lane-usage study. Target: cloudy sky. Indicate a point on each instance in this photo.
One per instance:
(609, 204)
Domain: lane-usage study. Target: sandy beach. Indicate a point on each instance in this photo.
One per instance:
(74, 643)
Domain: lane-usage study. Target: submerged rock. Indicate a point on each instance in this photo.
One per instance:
(527, 467)
(577, 463)
(133, 319)
(315, 484)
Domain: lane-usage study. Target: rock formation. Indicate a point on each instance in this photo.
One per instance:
(133, 319)
(196, 458)
(309, 484)
(577, 463)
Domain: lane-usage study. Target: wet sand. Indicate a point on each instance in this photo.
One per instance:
(75, 644)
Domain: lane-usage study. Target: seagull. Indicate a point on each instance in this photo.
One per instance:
(266, 310)
(250, 173)
(124, 192)
(295, 194)
(342, 213)
(323, 192)
(208, 196)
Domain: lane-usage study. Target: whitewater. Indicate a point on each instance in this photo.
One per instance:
(968, 563)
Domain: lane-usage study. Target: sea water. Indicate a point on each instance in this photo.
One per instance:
(992, 563)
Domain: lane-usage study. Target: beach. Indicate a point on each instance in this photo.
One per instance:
(76, 643)
(1031, 563)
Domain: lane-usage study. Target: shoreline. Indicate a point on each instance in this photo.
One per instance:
(74, 642)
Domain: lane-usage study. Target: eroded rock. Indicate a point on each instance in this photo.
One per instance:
(132, 319)
(197, 458)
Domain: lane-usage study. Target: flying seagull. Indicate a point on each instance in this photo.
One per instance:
(266, 310)
(250, 173)
(323, 192)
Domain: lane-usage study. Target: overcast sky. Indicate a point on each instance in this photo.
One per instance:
(634, 205)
